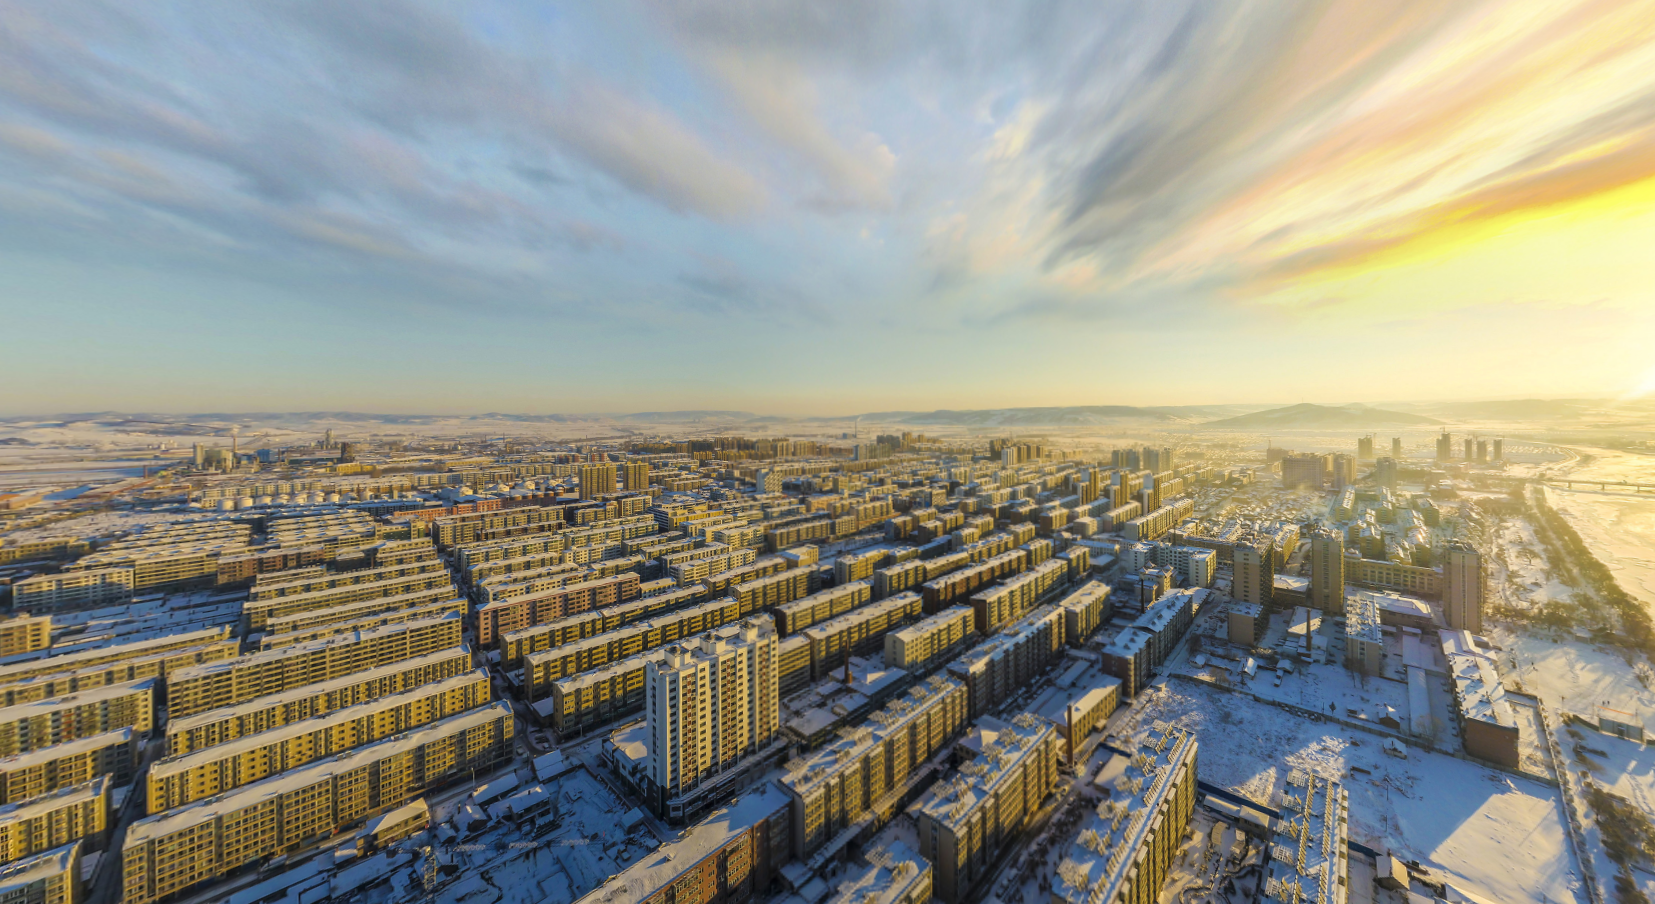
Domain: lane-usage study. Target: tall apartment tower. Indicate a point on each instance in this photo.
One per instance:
(1384, 472)
(1499, 449)
(636, 476)
(1482, 450)
(1445, 446)
(596, 480)
(1344, 470)
(1327, 571)
(1463, 588)
(1255, 572)
(709, 702)
(1364, 447)
(1470, 448)
(1396, 447)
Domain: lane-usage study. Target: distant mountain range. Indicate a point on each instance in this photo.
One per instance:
(1069, 416)
(1306, 415)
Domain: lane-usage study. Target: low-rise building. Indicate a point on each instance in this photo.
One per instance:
(897, 875)
(1311, 863)
(1364, 638)
(1487, 723)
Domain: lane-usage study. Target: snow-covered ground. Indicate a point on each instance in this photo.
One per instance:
(1571, 675)
(1618, 525)
(1498, 834)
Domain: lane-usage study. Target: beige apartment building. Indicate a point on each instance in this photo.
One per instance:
(257, 614)
(53, 820)
(50, 877)
(23, 671)
(67, 590)
(708, 703)
(28, 727)
(920, 646)
(869, 768)
(168, 853)
(225, 683)
(122, 671)
(179, 780)
(25, 633)
(29, 775)
(422, 611)
(221, 726)
(968, 819)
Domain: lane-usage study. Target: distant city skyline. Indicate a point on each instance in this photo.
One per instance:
(800, 210)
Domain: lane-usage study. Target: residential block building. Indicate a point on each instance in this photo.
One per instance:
(227, 682)
(967, 820)
(169, 853)
(1123, 850)
(708, 704)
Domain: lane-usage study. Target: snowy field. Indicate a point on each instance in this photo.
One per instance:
(1619, 526)
(1572, 675)
(1500, 835)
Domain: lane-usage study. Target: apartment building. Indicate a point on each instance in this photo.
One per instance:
(1007, 601)
(708, 704)
(1413, 579)
(158, 567)
(48, 769)
(996, 669)
(28, 727)
(265, 713)
(1464, 587)
(258, 613)
(1145, 644)
(869, 768)
(157, 663)
(1312, 835)
(506, 616)
(174, 851)
(957, 586)
(731, 856)
(1255, 571)
(918, 647)
(596, 480)
(24, 633)
(543, 668)
(858, 632)
(49, 877)
(793, 617)
(774, 590)
(200, 688)
(69, 590)
(1364, 636)
(178, 780)
(1085, 610)
(1123, 850)
(1327, 571)
(968, 819)
(64, 816)
(895, 875)
(314, 625)
(1153, 524)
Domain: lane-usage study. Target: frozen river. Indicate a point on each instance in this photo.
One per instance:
(1618, 525)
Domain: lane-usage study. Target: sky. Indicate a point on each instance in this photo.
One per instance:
(822, 207)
